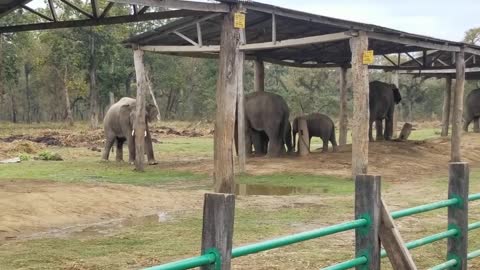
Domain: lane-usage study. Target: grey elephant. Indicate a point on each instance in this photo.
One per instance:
(118, 127)
(319, 125)
(383, 98)
(472, 111)
(266, 124)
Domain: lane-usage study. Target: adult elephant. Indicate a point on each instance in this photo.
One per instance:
(383, 98)
(267, 124)
(118, 127)
(472, 111)
(319, 125)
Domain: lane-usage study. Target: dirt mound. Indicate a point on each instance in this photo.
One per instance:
(170, 131)
(16, 148)
(61, 138)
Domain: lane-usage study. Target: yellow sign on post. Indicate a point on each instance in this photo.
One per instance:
(239, 20)
(368, 57)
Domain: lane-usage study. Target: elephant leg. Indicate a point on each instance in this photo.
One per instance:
(264, 142)
(108, 145)
(258, 143)
(275, 143)
(149, 149)
(131, 149)
(325, 145)
(119, 151)
(370, 136)
(476, 125)
(467, 122)
(389, 125)
(379, 128)
(333, 140)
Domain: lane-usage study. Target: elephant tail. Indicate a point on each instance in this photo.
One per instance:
(333, 138)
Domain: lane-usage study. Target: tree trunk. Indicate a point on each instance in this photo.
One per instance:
(458, 107)
(28, 94)
(447, 96)
(360, 121)
(152, 95)
(67, 98)
(259, 83)
(94, 106)
(395, 112)
(140, 124)
(14, 107)
(128, 85)
(343, 122)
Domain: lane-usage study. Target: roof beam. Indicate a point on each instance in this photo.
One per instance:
(295, 42)
(106, 10)
(101, 21)
(142, 10)
(178, 4)
(52, 10)
(181, 49)
(36, 13)
(77, 9)
(94, 4)
(413, 42)
(440, 71)
(186, 38)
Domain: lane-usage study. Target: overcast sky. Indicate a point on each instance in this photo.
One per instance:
(440, 18)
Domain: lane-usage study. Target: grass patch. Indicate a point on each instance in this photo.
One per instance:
(424, 134)
(198, 147)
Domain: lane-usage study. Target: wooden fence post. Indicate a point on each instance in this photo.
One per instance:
(303, 138)
(343, 121)
(456, 155)
(458, 214)
(447, 96)
(368, 206)
(360, 122)
(217, 232)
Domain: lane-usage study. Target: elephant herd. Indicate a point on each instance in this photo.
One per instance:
(267, 125)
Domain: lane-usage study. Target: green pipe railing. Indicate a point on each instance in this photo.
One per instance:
(348, 264)
(474, 197)
(206, 259)
(445, 265)
(296, 238)
(473, 226)
(424, 208)
(473, 254)
(426, 240)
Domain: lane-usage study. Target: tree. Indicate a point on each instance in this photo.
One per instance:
(472, 36)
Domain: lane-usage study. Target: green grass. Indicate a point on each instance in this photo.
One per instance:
(197, 147)
(425, 133)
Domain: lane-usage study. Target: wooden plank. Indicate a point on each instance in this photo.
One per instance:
(274, 28)
(178, 4)
(94, 4)
(447, 96)
(458, 108)
(143, 10)
(389, 60)
(414, 59)
(360, 122)
(36, 13)
(458, 214)
(226, 98)
(367, 205)
(140, 123)
(259, 76)
(392, 241)
(186, 38)
(217, 231)
(413, 42)
(106, 9)
(199, 34)
(101, 21)
(295, 42)
(52, 10)
(299, 65)
(303, 137)
(395, 81)
(81, 11)
(182, 49)
(472, 51)
(343, 122)
(135, 9)
(440, 71)
(241, 134)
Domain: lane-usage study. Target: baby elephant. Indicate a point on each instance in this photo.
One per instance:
(319, 125)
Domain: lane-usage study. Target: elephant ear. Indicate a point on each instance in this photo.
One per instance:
(126, 112)
(151, 113)
(396, 95)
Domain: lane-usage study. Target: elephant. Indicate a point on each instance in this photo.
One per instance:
(383, 98)
(472, 111)
(118, 127)
(319, 125)
(266, 124)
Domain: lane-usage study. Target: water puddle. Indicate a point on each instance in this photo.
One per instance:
(246, 190)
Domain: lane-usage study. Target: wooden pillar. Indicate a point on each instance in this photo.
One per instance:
(368, 206)
(395, 81)
(140, 124)
(242, 156)
(303, 138)
(343, 121)
(458, 214)
(358, 45)
(458, 107)
(259, 74)
(447, 96)
(217, 232)
(226, 97)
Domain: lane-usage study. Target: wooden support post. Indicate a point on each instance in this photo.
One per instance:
(217, 232)
(395, 81)
(303, 138)
(360, 123)
(242, 156)
(226, 98)
(140, 124)
(458, 214)
(458, 107)
(343, 121)
(392, 241)
(259, 83)
(447, 96)
(367, 206)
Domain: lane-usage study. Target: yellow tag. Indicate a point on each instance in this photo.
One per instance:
(368, 57)
(239, 20)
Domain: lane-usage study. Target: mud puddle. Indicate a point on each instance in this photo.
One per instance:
(247, 190)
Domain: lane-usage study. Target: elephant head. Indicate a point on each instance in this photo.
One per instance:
(150, 113)
(396, 94)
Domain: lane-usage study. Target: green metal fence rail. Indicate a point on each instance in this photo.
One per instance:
(214, 258)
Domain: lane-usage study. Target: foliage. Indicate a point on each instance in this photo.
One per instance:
(48, 156)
